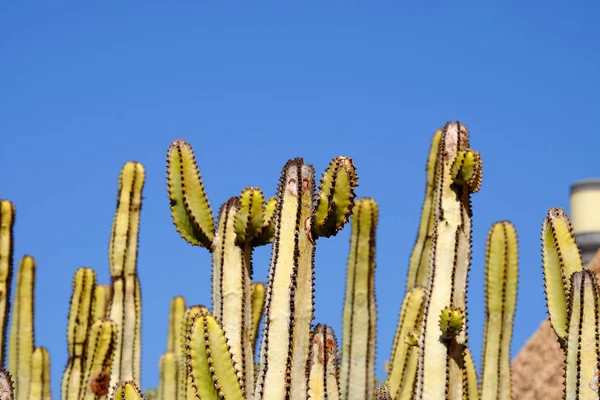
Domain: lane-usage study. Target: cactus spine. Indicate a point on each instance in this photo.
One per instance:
(21, 329)
(360, 317)
(7, 220)
(501, 296)
(440, 366)
(125, 306)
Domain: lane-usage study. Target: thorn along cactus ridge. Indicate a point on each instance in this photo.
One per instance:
(215, 353)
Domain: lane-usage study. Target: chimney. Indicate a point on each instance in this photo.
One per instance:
(585, 216)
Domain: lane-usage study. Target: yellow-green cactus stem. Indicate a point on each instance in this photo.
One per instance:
(40, 375)
(125, 306)
(561, 258)
(168, 386)
(99, 353)
(151, 394)
(6, 385)
(7, 221)
(418, 270)
(190, 208)
(259, 291)
(452, 321)
(249, 218)
(409, 378)
(470, 378)
(268, 229)
(501, 276)
(176, 314)
(411, 316)
(21, 328)
(211, 368)
(583, 355)
(80, 320)
(335, 198)
(101, 302)
(357, 377)
(323, 365)
(126, 390)
(440, 373)
(185, 390)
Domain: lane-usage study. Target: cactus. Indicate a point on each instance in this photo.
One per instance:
(360, 317)
(127, 390)
(259, 292)
(40, 375)
(6, 385)
(501, 296)
(173, 361)
(7, 220)
(101, 346)
(323, 365)
(125, 306)
(21, 330)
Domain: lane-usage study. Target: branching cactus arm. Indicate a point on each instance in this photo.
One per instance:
(561, 258)
(40, 375)
(360, 318)
(7, 220)
(99, 356)
(323, 365)
(440, 366)
(21, 329)
(185, 388)
(501, 275)
(259, 291)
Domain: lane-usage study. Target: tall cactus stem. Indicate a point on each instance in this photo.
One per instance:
(125, 306)
(7, 220)
(168, 387)
(40, 375)
(323, 373)
(360, 318)
(259, 291)
(21, 329)
(501, 276)
(99, 355)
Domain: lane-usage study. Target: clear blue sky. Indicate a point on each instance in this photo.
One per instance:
(86, 86)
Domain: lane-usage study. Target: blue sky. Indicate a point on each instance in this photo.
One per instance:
(86, 87)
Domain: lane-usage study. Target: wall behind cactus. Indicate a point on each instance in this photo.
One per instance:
(86, 87)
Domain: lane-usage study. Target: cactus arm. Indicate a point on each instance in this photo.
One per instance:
(40, 375)
(125, 306)
(249, 218)
(409, 378)
(583, 357)
(440, 365)
(185, 389)
(323, 365)
(358, 361)
(80, 314)
(268, 228)
(168, 387)
(211, 367)
(471, 389)
(176, 314)
(561, 258)
(501, 297)
(276, 347)
(7, 220)
(418, 270)
(190, 208)
(21, 329)
(101, 302)
(99, 355)
(126, 390)
(335, 198)
(411, 315)
(258, 301)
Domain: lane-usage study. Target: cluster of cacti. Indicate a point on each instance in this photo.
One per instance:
(212, 353)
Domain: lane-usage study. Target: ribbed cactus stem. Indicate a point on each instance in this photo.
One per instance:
(259, 291)
(561, 258)
(80, 320)
(440, 366)
(7, 220)
(99, 356)
(21, 329)
(357, 379)
(168, 387)
(211, 367)
(6, 385)
(40, 375)
(583, 352)
(402, 371)
(185, 390)
(470, 378)
(323, 365)
(176, 314)
(418, 270)
(125, 306)
(101, 302)
(501, 275)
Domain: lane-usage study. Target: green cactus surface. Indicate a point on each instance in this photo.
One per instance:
(7, 220)
(323, 365)
(40, 375)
